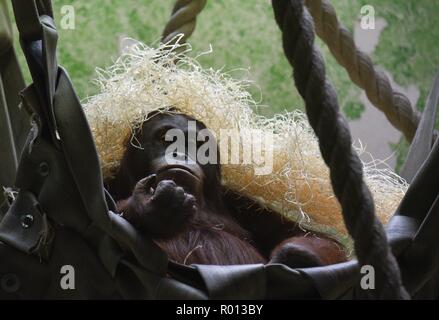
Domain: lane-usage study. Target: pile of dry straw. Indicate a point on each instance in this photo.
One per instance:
(144, 79)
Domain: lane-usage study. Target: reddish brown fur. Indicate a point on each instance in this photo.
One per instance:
(216, 227)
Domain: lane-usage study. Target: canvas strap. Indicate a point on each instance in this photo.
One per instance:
(14, 123)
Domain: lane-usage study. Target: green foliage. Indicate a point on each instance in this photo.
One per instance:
(243, 35)
(353, 110)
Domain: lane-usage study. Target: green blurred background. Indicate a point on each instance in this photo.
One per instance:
(243, 34)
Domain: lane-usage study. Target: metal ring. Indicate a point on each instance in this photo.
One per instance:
(10, 283)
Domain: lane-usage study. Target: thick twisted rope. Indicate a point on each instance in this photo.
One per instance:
(361, 69)
(183, 19)
(336, 147)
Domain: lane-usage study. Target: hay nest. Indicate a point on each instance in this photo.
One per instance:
(146, 79)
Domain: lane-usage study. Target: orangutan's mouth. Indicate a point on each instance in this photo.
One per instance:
(182, 176)
(178, 168)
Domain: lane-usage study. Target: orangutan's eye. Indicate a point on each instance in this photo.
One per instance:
(162, 138)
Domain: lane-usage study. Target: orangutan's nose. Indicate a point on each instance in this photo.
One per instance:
(179, 156)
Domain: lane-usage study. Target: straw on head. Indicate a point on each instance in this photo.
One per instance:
(146, 79)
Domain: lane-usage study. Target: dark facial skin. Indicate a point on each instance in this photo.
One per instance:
(147, 157)
(180, 204)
